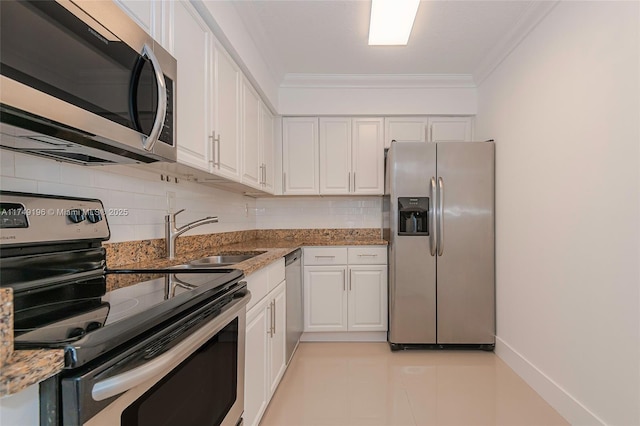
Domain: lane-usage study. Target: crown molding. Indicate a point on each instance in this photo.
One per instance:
(530, 18)
(377, 81)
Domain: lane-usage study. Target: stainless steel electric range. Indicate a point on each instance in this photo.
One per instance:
(148, 347)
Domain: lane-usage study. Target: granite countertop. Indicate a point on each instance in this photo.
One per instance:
(267, 251)
(22, 368)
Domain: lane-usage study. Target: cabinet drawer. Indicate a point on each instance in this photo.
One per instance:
(367, 255)
(276, 273)
(325, 256)
(258, 285)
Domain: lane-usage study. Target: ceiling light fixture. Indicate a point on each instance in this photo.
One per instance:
(391, 21)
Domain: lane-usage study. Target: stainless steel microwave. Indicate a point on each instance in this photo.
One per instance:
(83, 83)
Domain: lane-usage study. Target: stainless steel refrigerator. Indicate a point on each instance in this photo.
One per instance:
(439, 202)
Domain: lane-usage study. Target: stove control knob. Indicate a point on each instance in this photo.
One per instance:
(93, 325)
(94, 216)
(76, 332)
(76, 215)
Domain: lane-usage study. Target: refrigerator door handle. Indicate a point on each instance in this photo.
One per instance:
(432, 218)
(440, 216)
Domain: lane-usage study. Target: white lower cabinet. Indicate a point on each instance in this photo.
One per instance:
(351, 297)
(264, 342)
(325, 298)
(367, 298)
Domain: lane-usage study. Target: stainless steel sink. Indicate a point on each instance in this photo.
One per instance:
(222, 260)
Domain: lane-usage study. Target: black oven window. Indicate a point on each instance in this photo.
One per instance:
(200, 391)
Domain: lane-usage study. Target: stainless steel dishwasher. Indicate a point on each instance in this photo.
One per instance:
(293, 277)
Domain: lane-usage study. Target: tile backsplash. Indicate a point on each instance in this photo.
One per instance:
(319, 212)
(135, 191)
(138, 191)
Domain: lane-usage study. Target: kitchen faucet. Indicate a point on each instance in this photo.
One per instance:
(172, 232)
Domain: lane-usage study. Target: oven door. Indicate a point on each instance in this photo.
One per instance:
(199, 381)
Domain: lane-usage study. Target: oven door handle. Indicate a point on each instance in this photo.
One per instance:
(161, 365)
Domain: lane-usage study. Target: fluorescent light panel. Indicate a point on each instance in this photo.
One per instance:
(391, 21)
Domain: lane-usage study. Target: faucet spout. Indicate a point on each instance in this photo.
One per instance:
(172, 232)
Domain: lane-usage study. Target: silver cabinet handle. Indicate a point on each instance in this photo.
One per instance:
(350, 280)
(367, 255)
(270, 330)
(216, 157)
(432, 217)
(441, 214)
(273, 317)
(217, 163)
(161, 114)
(321, 257)
(349, 180)
(354, 181)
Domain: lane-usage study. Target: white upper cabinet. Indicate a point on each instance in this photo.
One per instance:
(268, 146)
(226, 127)
(146, 13)
(192, 45)
(257, 141)
(367, 156)
(300, 156)
(408, 129)
(335, 155)
(351, 156)
(450, 129)
(251, 137)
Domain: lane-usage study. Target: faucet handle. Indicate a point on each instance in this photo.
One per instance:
(171, 217)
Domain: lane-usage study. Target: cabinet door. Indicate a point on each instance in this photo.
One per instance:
(450, 129)
(367, 156)
(300, 156)
(192, 48)
(256, 364)
(335, 155)
(226, 155)
(144, 12)
(408, 129)
(267, 129)
(325, 298)
(368, 298)
(277, 340)
(251, 116)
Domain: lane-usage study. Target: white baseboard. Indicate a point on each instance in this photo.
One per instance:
(569, 407)
(345, 336)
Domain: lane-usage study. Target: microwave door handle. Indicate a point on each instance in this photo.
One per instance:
(150, 140)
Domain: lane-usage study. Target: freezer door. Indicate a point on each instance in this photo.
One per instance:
(466, 266)
(412, 268)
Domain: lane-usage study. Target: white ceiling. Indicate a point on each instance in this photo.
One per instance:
(330, 36)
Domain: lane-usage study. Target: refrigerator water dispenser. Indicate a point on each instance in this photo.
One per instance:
(413, 216)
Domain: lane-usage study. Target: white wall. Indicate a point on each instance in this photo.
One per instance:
(319, 212)
(377, 100)
(129, 187)
(564, 111)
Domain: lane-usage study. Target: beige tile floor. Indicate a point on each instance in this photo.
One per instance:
(366, 384)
